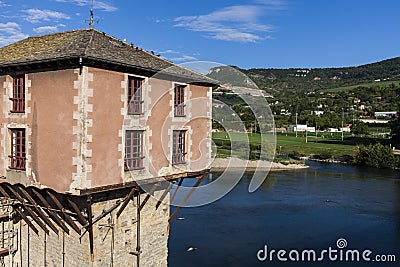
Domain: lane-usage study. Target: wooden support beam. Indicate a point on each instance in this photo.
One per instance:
(90, 226)
(26, 219)
(164, 195)
(20, 212)
(186, 198)
(126, 201)
(68, 218)
(148, 196)
(28, 209)
(4, 193)
(176, 190)
(172, 177)
(38, 210)
(82, 220)
(49, 211)
(101, 216)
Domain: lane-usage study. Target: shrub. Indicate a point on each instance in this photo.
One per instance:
(376, 156)
(295, 154)
(359, 128)
(325, 155)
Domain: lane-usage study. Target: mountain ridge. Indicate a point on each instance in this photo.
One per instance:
(288, 82)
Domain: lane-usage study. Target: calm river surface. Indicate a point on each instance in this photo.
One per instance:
(291, 211)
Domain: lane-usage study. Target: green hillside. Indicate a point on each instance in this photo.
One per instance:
(364, 85)
(289, 82)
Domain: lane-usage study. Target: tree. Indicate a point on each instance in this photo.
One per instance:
(395, 128)
(375, 156)
(359, 128)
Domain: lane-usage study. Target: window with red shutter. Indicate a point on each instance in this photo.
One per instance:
(18, 149)
(18, 94)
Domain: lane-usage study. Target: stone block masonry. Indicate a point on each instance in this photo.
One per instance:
(115, 239)
(119, 247)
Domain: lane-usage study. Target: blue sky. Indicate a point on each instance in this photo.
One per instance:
(256, 33)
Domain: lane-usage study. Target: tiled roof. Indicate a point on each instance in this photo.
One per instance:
(89, 44)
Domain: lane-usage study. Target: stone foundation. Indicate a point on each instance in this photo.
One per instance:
(115, 239)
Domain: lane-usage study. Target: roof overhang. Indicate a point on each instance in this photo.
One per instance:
(77, 62)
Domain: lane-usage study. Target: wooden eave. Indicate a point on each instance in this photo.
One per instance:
(77, 62)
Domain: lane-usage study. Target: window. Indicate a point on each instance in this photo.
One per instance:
(179, 101)
(18, 152)
(179, 147)
(18, 94)
(134, 150)
(135, 96)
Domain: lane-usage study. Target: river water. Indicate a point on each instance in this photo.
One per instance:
(294, 210)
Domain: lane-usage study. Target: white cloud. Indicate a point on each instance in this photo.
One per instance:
(176, 56)
(35, 15)
(272, 4)
(234, 23)
(237, 36)
(48, 29)
(9, 27)
(168, 51)
(97, 4)
(183, 58)
(3, 4)
(10, 32)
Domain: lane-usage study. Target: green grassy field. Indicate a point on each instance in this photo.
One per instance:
(318, 146)
(347, 88)
(324, 144)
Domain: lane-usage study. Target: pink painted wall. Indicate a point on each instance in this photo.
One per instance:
(107, 122)
(51, 121)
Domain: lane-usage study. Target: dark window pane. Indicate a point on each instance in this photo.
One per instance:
(134, 150)
(18, 153)
(179, 101)
(179, 147)
(18, 95)
(135, 96)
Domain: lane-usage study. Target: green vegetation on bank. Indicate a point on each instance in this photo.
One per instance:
(323, 146)
(376, 156)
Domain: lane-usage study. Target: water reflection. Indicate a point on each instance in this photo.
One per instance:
(309, 208)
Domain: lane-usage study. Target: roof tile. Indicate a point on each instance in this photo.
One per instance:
(91, 44)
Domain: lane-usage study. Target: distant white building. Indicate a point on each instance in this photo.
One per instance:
(284, 112)
(345, 129)
(297, 128)
(387, 114)
(311, 129)
(333, 130)
(318, 112)
(374, 121)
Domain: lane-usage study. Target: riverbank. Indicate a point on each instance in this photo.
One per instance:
(222, 163)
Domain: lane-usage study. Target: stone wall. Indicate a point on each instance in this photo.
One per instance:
(115, 239)
(153, 234)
